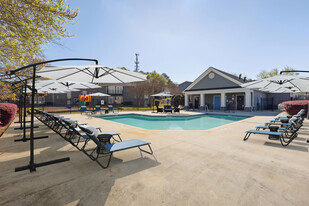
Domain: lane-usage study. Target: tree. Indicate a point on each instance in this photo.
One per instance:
(139, 90)
(287, 68)
(6, 86)
(160, 79)
(26, 25)
(177, 100)
(168, 79)
(173, 88)
(264, 74)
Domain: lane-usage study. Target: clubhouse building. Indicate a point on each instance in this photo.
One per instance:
(219, 90)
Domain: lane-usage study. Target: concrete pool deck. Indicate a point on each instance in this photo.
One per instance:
(212, 167)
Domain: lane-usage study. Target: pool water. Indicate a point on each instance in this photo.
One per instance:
(196, 122)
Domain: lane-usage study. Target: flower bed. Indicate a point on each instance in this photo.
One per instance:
(292, 107)
(7, 114)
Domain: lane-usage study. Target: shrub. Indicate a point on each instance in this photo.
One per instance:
(177, 100)
(7, 113)
(292, 107)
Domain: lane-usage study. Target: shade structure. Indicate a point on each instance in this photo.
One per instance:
(91, 73)
(162, 94)
(281, 89)
(55, 90)
(280, 84)
(99, 94)
(65, 84)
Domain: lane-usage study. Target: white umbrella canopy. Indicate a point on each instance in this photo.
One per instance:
(281, 90)
(91, 73)
(99, 94)
(162, 94)
(48, 90)
(65, 84)
(280, 84)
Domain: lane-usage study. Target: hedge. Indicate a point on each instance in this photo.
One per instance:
(7, 114)
(293, 107)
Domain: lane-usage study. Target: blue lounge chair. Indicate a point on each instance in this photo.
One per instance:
(294, 121)
(83, 109)
(111, 109)
(105, 149)
(286, 134)
(168, 108)
(98, 109)
(301, 113)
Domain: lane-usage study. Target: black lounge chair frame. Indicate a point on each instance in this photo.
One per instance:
(285, 137)
(168, 108)
(102, 150)
(159, 109)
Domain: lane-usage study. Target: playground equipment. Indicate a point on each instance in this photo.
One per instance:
(83, 99)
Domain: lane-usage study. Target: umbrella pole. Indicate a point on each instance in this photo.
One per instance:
(32, 165)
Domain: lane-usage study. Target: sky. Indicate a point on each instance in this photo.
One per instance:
(183, 38)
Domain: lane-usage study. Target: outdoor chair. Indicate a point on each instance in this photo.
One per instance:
(294, 122)
(83, 109)
(285, 134)
(103, 147)
(168, 108)
(98, 109)
(159, 109)
(300, 114)
(177, 109)
(111, 109)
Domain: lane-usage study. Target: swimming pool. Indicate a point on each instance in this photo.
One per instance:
(196, 122)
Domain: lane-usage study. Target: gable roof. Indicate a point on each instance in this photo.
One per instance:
(185, 82)
(230, 75)
(183, 86)
(225, 75)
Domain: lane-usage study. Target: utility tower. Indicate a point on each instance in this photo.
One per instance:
(136, 62)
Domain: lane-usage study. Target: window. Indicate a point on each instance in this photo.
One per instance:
(119, 89)
(118, 99)
(115, 89)
(111, 100)
(115, 100)
(111, 89)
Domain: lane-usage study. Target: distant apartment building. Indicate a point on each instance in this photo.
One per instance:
(119, 95)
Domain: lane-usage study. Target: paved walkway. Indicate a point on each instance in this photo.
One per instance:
(213, 167)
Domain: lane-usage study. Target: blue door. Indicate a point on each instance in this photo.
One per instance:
(217, 102)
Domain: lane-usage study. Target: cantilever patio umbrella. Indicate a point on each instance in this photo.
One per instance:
(161, 94)
(53, 91)
(65, 84)
(280, 83)
(99, 94)
(91, 73)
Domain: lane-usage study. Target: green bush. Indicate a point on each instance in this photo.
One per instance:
(177, 100)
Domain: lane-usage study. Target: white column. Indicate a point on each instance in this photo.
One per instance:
(186, 100)
(248, 99)
(223, 103)
(202, 99)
